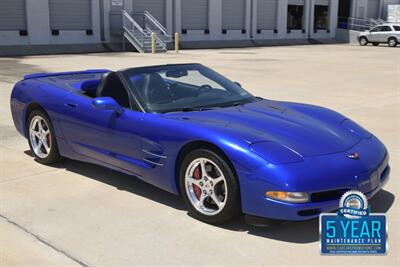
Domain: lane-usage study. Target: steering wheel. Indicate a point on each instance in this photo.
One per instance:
(170, 88)
(202, 88)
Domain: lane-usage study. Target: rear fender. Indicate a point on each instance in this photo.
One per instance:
(32, 92)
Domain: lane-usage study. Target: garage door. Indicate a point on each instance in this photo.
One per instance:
(373, 9)
(233, 14)
(266, 14)
(322, 2)
(155, 7)
(296, 2)
(194, 14)
(70, 14)
(12, 15)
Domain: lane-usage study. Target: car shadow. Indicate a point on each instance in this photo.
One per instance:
(293, 232)
(121, 181)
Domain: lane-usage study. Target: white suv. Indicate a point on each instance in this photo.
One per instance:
(385, 33)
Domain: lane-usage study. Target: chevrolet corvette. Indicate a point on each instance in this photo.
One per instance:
(191, 131)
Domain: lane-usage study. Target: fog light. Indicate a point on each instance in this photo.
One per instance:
(292, 197)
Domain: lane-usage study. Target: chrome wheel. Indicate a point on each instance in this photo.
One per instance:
(40, 136)
(392, 42)
(363, 41)
(206, 186)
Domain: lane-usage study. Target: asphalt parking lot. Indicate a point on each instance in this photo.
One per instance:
(80, 214)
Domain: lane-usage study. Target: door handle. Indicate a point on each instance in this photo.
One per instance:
(70, 105)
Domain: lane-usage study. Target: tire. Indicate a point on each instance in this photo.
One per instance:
(41, 138)
(392, 42)
(204, 176)
(363, 41)
(375, 44)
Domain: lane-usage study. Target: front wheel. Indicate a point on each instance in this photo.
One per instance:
(363, 41)
(392, 42)
(209, 187)
(41, 137)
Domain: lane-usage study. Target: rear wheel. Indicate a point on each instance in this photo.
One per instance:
(363, 41)
(41, 138)
(209, 187)
(392, 42)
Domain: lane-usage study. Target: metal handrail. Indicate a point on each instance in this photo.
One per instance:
(134, 31)
(132, 35)
(158, 38)
(129, 36)
(156, 22)
(358, 24)
(151, 24)
(141, 34)
(127, 16)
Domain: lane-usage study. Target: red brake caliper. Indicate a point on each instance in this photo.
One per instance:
(49, 139)
(197, 176)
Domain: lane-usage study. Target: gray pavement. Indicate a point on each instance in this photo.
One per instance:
(80, 214)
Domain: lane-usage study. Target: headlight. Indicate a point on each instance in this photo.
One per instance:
(356, 129)
(275, 153)
(292, 197)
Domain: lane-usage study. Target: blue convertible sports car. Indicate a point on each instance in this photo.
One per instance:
(188, 130)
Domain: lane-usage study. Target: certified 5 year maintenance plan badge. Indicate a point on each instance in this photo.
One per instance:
(353, 229)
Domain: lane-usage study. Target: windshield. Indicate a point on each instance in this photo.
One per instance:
(184, 88)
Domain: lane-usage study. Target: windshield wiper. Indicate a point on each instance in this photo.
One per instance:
(237, 104)
(188, 109)
(234, 104)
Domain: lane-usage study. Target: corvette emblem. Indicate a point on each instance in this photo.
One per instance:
(355, 156)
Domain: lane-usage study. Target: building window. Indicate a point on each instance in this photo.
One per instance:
(321, 17)
(295, 17)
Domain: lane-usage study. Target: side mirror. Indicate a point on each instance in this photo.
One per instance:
(107, 103)
(238, 84)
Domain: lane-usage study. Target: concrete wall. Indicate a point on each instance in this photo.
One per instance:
(215, 10)
(39, 32)
(347, 36)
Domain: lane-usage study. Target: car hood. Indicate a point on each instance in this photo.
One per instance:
(308, 130)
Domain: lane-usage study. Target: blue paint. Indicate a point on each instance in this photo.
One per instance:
(272, 145)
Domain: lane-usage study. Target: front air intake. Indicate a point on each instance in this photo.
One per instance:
(328, 195)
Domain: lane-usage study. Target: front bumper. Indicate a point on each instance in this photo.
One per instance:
(367, 176)
(298, 212)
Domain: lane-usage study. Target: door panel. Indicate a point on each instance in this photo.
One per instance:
(374, 34)
(373, 37)
(103, 134)
(383, 37)
(381, 34)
